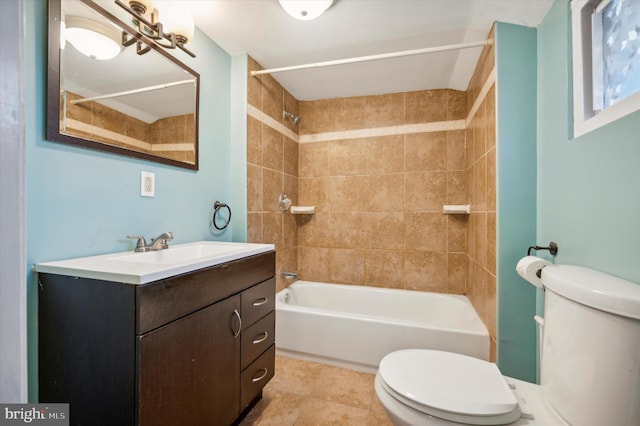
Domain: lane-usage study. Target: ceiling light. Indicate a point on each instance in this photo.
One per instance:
(305, 10)
(91, 38)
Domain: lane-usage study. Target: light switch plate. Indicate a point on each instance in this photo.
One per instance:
(147, 184)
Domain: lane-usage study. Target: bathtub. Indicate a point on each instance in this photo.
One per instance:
(355, 326)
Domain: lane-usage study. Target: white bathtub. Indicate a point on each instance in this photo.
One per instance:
(355, 326)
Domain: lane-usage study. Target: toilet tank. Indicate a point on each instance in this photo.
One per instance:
(590, 361)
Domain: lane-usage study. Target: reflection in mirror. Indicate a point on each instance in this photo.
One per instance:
(138, 105)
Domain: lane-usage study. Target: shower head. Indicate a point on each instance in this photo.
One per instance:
(294, 118)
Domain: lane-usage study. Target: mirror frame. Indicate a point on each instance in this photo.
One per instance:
(53, 89)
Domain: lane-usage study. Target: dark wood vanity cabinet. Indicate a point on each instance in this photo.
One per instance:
(195, 349)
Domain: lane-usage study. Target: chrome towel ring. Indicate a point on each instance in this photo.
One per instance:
(216, 207)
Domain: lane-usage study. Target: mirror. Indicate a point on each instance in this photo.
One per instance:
(143, 106)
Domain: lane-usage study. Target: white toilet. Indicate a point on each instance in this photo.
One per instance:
(590, 366)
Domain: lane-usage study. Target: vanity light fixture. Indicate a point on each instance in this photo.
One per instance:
(305, 10)
(175, 32)
(91, 38)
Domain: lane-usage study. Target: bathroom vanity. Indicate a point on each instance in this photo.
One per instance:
(192, 348)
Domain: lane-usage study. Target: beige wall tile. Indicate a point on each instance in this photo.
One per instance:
(272, 149)
(272, 184)
(457, 188)
(491, 304)
(314, 191)
(316, 117)
(348, 230)
(348, 114)
(313, 159)
(254, 188)
(456, 150)
(346, 266)
(384, 268)
(272, 97)
(425, 191)
(290, 105)
(288, 263)
(385, 154)
(347, 157)
(480, 238)
(290, 187)
(272, 229)
(254, 84)
(491, 242)
(456, 105)
(383, 193)
(426, 106)
(425, 271)
(457, 233)
(385, 230)
(384, 110)
(254, 227)
(314, 230)
(349, 193)
(425, 231)
(254, 141)
(490, 116)
(290, 156)
(425, 152)
(456, 273)
(289, 231)
(313, 263)
(491, 179)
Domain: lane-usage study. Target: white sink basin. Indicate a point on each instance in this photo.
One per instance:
(181, 253)
(140, 268)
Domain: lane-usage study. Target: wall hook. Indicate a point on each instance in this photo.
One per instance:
(553, 249)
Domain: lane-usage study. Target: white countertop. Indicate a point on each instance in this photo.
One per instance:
(141, 268)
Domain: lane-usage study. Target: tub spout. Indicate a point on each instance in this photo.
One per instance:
(289, 275)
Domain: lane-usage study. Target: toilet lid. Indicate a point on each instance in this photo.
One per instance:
(448, 385)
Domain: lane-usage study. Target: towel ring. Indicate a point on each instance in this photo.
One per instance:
(216, 207)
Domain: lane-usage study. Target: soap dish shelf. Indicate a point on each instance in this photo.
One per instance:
(456, 209)
(303, 209)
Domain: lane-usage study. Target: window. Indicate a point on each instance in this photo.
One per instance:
(606, 61)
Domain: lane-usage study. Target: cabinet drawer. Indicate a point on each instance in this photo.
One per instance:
(161, 302)
(258, 301)
(256, 376)
(257, 338)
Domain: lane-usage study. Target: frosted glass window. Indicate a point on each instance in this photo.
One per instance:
(606, 62)
(616, 51)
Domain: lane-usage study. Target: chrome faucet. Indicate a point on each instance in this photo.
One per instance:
(160, 242)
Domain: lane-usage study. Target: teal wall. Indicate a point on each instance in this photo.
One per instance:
(515, 52)
(81, 202)
(588, 198)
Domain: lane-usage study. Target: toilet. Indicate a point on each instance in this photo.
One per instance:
(589, 368)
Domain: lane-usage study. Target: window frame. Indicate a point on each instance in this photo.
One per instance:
(585, 119)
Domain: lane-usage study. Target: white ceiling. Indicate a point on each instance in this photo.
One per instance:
(353, 28)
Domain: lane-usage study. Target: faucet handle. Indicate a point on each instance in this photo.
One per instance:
(141, 245)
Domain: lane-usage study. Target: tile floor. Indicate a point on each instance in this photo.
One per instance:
(307, 393)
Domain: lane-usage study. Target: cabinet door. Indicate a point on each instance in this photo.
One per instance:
(188, 370)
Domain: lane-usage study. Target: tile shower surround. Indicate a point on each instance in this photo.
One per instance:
(378, 187)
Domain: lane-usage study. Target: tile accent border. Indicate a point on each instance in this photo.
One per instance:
(491, 79)
(265, 119)
(404, 129)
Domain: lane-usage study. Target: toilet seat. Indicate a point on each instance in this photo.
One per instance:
(449, 386)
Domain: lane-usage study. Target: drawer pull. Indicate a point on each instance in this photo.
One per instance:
(261, 339)
(261, 301)
(236, 332)
(262, 376)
